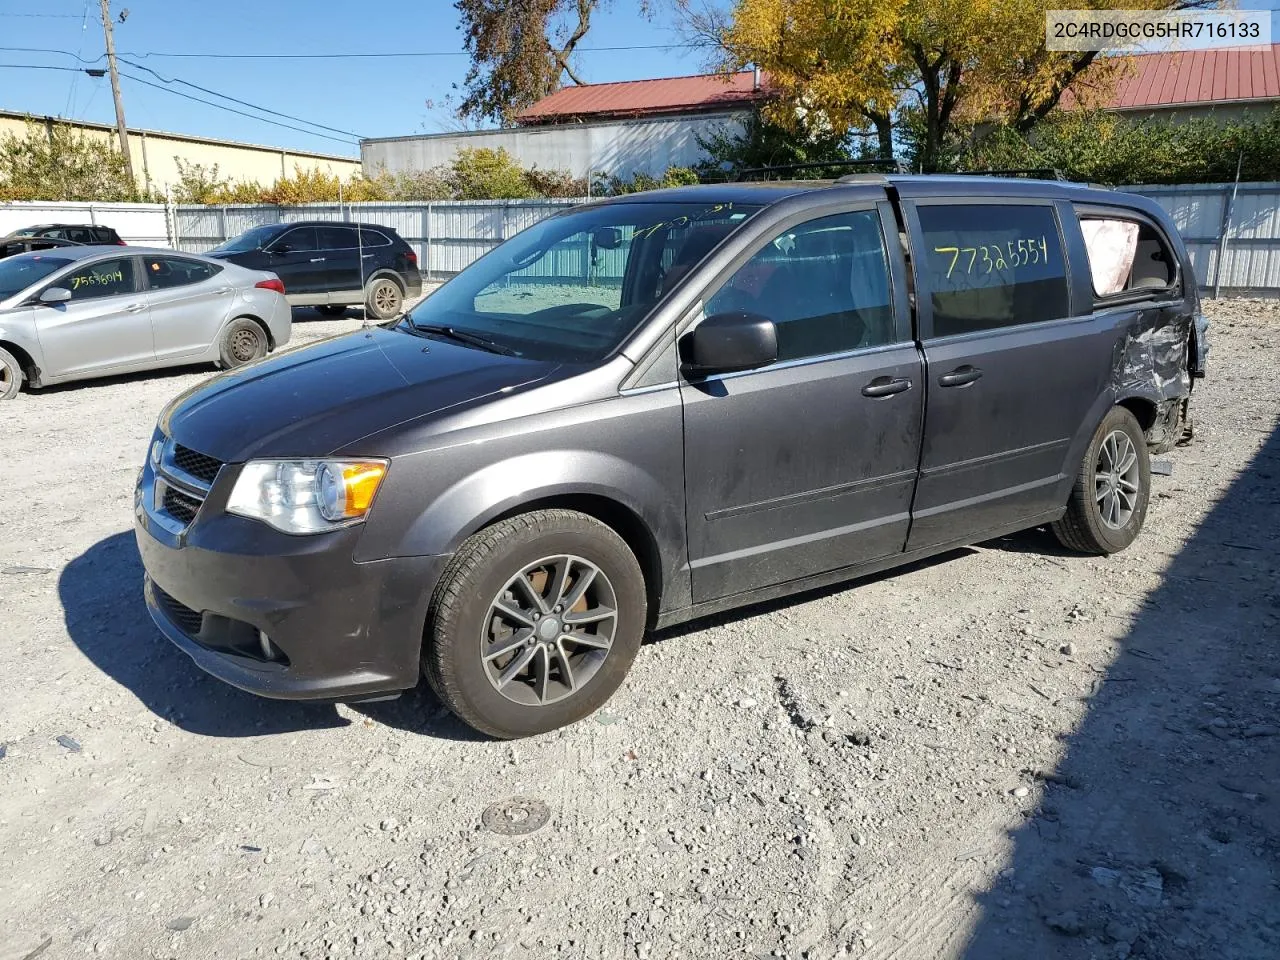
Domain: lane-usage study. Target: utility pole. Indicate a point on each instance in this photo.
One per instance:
(115, 91)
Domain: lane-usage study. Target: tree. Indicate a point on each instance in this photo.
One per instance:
(520, 50)
(59, 162)
(948, 62)
(760, 143)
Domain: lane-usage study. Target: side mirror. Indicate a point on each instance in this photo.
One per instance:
(278, 249)
(55, 295)
(607, 238)
(726, 342)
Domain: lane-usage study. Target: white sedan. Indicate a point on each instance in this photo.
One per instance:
(73, 313)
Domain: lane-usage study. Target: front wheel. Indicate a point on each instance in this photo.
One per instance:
(1109, 499)
(11, 375)
(535, 623)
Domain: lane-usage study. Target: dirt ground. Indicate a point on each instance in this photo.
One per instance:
(1008, 752)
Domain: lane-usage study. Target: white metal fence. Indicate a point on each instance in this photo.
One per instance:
(1232, 233)
(145, 223)
(1234, 243)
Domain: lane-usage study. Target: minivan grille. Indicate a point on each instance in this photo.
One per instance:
(188, 621)
(199, 465)
(181, 506)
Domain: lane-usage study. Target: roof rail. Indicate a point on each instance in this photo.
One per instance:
(1039, 173)
(762, 173)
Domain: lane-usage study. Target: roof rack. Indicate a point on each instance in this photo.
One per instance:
(763, 173)
(1038, 173)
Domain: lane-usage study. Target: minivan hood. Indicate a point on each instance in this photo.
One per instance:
(314, 401)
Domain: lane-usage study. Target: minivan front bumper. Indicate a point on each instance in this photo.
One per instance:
(289, 617)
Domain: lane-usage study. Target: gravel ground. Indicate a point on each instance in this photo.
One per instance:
(1008, 752)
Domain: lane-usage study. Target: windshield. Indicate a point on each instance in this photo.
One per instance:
(573, 287)
(249, 240)
(18, 273)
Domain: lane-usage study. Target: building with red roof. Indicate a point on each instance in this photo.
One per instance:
(1224, 83)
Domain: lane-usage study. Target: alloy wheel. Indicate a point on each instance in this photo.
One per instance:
(549, 630)
(1116, 479)
(386, 297)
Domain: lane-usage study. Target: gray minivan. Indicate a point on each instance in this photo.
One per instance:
(652, 408)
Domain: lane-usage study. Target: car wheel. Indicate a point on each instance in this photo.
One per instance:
(535, 623)
(242, 342)
(11, 375)
(385, 299)
(1109, 499)
(332, 309)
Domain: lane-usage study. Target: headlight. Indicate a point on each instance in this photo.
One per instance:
(306, 496)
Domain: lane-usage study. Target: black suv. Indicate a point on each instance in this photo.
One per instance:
(332, 266)
(86, 233)
(661, 406)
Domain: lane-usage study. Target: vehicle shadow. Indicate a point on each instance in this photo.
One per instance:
(87, 387)
(106, 617)
(1158, 833)
(764, 607)
(101, 595)
(1037, 540)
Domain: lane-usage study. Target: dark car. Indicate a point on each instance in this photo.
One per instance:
(332, 266)
(87, 233)
(12, 246)
(661, 406)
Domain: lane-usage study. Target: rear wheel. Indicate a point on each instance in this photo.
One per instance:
(1109, 499)
(242, 342)
(11, 375)
(385, 299)
(535, 623)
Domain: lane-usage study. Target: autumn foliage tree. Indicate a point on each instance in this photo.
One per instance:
(861, 63)
(521, 50)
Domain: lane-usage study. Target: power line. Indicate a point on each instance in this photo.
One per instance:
(219, 106)
(179, 93)
(381, 56)
(75, 81)
(214, 93)
(243, 103)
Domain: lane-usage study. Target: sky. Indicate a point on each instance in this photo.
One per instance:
(284, 55)
(382, 97)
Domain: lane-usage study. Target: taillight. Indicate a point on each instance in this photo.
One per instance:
(275, 283)
(412, 258)
(121, 243)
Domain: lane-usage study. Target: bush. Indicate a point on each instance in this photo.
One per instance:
(1107, 149)
(479, 173)
(59, 162)
(613, 186)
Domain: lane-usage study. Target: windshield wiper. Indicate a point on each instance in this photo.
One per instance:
(462, 336)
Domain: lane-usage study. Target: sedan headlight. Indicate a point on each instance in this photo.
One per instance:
(307, 496)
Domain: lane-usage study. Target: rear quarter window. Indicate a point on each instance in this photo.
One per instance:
(1128, 257)
(990, 266)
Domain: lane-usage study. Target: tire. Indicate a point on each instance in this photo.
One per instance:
(463, 623)
(1108, 521)
(384, 298)
(11, 375)
(332, 309)
(242, 342)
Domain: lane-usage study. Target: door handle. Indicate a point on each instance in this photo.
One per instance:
(366, 256)
(222, 291)
(317, 259)
(885, 387)
(959, 376)
(135, 308)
